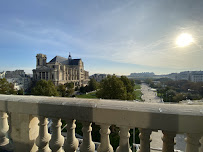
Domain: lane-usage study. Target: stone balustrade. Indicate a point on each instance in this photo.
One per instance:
(24, 119)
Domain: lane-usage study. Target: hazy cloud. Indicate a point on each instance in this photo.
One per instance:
(130, 32)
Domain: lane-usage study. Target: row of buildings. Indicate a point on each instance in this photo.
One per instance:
(18, 78)
(193, 76)
(98, 77)
(142, 75)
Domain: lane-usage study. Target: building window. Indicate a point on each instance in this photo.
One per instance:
(47, 76)
(37, 61)
(44, 62)
(43, 75)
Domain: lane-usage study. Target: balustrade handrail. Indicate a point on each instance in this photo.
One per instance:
(155, 116)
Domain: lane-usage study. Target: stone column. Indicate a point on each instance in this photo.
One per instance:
(71, 74)
(58, 75)
(124, 145)
(193, 143)
(168, 141)
(87, 144)
(71, 143)
(57, 139)
(4, 127)
(79, 75)
(44, 137)
(55, 75)
(145, 140)
(105, 145)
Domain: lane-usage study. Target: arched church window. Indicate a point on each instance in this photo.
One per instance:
(37, 61)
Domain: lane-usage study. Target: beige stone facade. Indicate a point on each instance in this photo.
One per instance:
(61, 70)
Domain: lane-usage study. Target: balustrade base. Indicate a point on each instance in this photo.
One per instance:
(6, 148)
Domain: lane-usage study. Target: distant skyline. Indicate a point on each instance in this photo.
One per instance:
(115, 36)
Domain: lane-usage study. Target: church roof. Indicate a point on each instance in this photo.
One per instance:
(65, 61)
(75, 61)
(58, 59)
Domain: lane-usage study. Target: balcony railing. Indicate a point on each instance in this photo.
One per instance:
(23, 123)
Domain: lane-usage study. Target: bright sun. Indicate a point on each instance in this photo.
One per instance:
(184, 39)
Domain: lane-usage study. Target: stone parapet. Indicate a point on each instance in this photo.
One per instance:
(172, 119)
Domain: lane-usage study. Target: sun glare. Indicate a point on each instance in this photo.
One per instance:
(184, 39)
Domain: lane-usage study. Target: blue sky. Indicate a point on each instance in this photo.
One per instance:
(111, 36)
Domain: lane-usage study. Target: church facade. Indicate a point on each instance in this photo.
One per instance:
(60, 70)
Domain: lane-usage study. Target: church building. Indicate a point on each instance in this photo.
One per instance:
(61, 70)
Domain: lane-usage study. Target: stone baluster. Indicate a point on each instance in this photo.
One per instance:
(57, 139)
(71, 143)
(105, 145)
(168, 141)
(145, 140)
(43, 139)
(201, 142)
(4, 127)
(124, 145)
(87, 144)
(193, 143)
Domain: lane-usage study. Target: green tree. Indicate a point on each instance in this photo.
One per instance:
(112, 88)
(69, 89)
(92, 85)
(137, 81)
(82, 89)
(169, 96)
(20, 92)
(69, 85)
(129, 84)
(65, 90)
(6, 87)
(178, 97)
(61, 90)
(45, 88)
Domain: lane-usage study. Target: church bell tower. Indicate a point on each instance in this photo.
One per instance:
(41, 60)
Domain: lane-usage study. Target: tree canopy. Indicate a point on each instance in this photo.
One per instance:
(175, 91)
(45, 88)
(66, 90)
(116, 88)
(92, 86)
(6, 87)
(62, 90)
